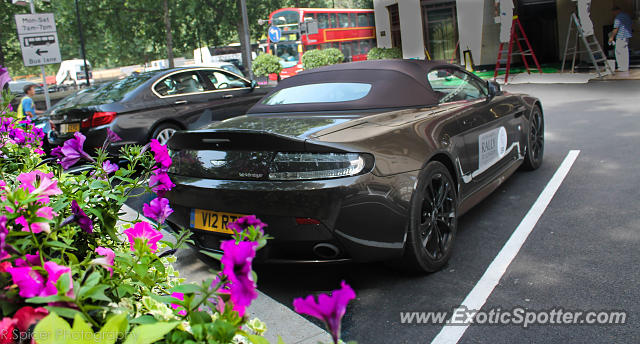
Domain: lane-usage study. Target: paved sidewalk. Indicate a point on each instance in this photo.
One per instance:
(281, 321)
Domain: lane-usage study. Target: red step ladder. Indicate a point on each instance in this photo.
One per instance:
(524, 53)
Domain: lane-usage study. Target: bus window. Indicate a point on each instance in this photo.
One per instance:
(323, 21)
(352, 20)
(372, 21)
(309, 16)
(311, 47)
(334, 20)
(346, 51)
(363, 21)
(335, 45)
(364, 46)
(343, 19)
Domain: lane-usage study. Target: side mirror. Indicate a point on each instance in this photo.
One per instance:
(254, 84)
(494, 88)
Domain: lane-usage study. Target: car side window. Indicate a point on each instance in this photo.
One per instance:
(452, 85)
(223, 80)
(180, 83)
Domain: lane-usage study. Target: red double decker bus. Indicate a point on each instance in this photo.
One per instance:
(350, 30)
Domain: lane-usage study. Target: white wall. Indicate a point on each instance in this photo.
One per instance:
(410, 26)
(470, 25)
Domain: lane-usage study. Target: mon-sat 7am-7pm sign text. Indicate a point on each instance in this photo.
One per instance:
(38, 39)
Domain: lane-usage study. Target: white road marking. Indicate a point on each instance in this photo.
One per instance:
(451, 334)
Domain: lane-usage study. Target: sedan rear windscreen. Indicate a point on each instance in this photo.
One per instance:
(332, 92)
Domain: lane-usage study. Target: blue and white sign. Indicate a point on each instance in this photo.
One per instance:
(275, 34)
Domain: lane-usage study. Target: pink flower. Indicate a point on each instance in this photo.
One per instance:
(329, 309)
(158, 209)
(27, 316)
(160, 182)
(160, 152)
(29, 260)
(236, 261)
(54, 273)
(37, 227)
(106, 260)
(7, 326)
(144, 231)
(30, 282)
(45, 185)
(109, 167)
(179, 296)
(3, 235)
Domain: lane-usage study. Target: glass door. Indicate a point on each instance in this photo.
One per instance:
(441, 29)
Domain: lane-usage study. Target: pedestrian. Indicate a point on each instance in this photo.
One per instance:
(621, 34)
(27, 107)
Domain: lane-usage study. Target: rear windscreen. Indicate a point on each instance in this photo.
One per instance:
(332, 92)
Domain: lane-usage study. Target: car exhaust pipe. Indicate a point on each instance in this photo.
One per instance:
(326, 250)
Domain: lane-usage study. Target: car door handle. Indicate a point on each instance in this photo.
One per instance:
(180, 102)
(227, 96)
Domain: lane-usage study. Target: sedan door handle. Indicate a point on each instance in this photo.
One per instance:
(227, 96)
(180, 102)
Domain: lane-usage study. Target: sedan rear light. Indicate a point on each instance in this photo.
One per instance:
(98, 119)
(300, 166)
(307, 221)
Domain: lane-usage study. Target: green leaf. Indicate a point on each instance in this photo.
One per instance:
(280, 341)
(72, 258)
(199, 318)
(59, 245)
(114, 328)
(96, 293)
(52, 330)
(145, 319)
(147, 334)
(52, 298)
(257, 339)
(216, 256)
(141, 269)
(64, 312)
(185, 288)
(80, 331)
(222, 331)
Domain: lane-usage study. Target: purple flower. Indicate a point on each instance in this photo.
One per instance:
(29, 260)
(236, 261)
(160, 152)
(245, 222)
(109, 167)
(158, 209)
(72, 151)
(160, 182)
(179, 296)
(81, 218)
(54, 273)
(57, 152)
(112, 137)
(329, 309)
(4, 77)
(106, 260)
(144, 231)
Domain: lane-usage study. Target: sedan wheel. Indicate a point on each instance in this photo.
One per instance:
(164, 133)
(433, 220)
(535, 141)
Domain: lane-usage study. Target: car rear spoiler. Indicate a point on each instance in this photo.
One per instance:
(245, 139)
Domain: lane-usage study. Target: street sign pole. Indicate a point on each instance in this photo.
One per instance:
(47, 101)
(247, 38)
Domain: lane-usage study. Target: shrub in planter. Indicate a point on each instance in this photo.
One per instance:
(72, 271)
(384, 54)
(321, 57)
(265, 64)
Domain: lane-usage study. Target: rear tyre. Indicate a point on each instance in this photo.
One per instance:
(535, 141)
(164, 132)
(433, 220)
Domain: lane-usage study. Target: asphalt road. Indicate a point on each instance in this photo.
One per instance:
(582, 254)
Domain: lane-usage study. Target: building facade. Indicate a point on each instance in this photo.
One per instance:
(445, 29)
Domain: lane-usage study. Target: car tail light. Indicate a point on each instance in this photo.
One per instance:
(98, 119)
(300, 166)
(307, 221)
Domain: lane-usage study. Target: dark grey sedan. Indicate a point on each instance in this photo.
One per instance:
(154, 105)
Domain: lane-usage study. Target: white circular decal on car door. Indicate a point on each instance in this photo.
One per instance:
(502, 141)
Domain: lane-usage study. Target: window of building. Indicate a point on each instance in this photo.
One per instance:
(394, 19)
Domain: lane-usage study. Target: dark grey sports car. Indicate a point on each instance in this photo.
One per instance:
(363, 161)
(153, 105)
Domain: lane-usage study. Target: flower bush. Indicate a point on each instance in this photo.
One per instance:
(73, 271)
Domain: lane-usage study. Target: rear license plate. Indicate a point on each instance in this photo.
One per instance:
(69, 128)
(213, 221)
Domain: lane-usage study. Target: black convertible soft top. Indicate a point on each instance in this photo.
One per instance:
(395, 83)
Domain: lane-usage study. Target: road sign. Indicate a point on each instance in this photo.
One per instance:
(38, 39)
(275, 34)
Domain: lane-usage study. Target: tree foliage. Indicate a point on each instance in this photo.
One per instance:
(126, 32)
(384, 54)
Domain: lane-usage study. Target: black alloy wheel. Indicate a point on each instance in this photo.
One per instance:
(433, 220)
(535, 141)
